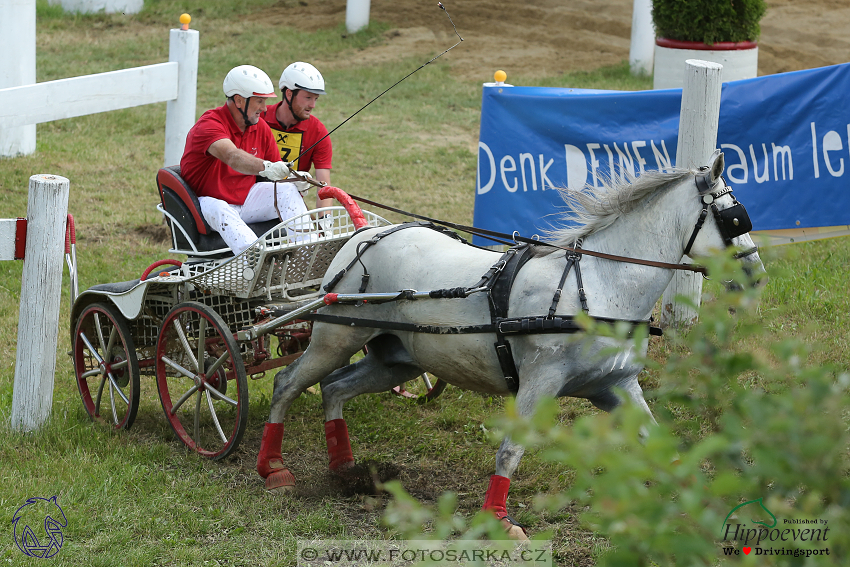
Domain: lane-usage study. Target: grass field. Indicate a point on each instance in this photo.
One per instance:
(137, 497)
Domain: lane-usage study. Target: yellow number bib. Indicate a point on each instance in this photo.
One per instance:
(289, 144)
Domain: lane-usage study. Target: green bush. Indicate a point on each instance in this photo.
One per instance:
(748, 438)
(708, 21)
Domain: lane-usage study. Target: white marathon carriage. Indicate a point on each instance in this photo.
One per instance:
(181, 324)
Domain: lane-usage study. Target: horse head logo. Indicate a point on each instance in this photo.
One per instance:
(754, 510)
(35, 512)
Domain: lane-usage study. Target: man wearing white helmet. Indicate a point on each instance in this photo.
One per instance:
(226, 149)
(294, 127)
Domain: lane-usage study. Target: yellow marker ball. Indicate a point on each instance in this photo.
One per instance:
(500, 76)
(185, 18)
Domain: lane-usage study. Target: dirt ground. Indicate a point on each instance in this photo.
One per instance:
(538, 38)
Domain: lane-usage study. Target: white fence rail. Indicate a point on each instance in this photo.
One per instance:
(80, 96)
(174, 82)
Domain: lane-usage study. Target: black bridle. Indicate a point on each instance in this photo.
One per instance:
(732, 222)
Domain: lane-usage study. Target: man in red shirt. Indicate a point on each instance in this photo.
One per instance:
(225, 151)
(294, 127)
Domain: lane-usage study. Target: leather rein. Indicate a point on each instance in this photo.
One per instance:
(516, 238)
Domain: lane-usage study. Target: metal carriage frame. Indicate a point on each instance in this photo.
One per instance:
(180, 323)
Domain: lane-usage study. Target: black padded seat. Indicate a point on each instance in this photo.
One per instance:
(180, 201)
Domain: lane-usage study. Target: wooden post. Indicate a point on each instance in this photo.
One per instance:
(642, 49)
(17, 68)
(698, 124)
(180, 112)
(356, 15)
(38, 318)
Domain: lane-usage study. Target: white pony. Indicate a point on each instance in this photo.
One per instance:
(658, 217)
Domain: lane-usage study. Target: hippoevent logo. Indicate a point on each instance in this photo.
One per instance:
(37, 527)
(769, 536)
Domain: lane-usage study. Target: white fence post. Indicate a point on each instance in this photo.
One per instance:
(180, 112)
(698, 125)
(17, 68)
(38, 316)
(642, 49)
(356, 15)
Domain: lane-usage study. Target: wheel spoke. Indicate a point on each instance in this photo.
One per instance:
(90, 373)
(198, 420)
(185, 342)
(215, 418)
(426, 379)
(112, 401)
(99, 393)
(180, 369)
(217, 364)
(120, 365)
(202, 341)
(91, 348)
(99, 330)
(221, 396)
(107, 353)
(183, 399)
(115, 385)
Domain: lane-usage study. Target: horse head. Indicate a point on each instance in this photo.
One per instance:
(727, 226)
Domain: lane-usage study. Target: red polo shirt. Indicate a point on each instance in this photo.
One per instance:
(208, 175)
(291, 142)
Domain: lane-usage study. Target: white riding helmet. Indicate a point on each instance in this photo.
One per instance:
(302, 76)
(248, 81)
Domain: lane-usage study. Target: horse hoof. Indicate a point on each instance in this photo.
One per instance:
(515, 531)
(280, 481)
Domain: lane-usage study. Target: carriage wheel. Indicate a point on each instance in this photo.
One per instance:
(423, 389)
(196, 357)
(105, 365)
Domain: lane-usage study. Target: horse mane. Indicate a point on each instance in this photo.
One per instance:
(592, 209)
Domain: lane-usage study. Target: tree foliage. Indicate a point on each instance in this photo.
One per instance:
(741, 418)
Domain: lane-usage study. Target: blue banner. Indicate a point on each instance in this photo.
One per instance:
(786, 140)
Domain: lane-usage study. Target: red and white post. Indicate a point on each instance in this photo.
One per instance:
(38, 318)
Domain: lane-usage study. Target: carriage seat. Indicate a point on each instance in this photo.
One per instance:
(193, 236)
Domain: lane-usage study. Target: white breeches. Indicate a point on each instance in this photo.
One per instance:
(231, 220)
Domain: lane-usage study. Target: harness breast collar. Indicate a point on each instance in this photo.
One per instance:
(497, 282)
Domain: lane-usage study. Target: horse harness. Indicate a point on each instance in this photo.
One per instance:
(497, 283)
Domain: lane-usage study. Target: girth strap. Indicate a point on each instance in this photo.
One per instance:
(499, 297)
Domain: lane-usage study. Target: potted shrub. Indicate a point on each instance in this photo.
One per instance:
(721, 31)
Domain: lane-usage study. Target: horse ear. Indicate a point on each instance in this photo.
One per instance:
(716, 165)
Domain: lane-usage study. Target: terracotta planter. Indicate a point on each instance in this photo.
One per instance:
(739, 60)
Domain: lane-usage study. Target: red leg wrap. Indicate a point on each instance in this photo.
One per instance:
(497, 496)
(339, 446)
(270, 460)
